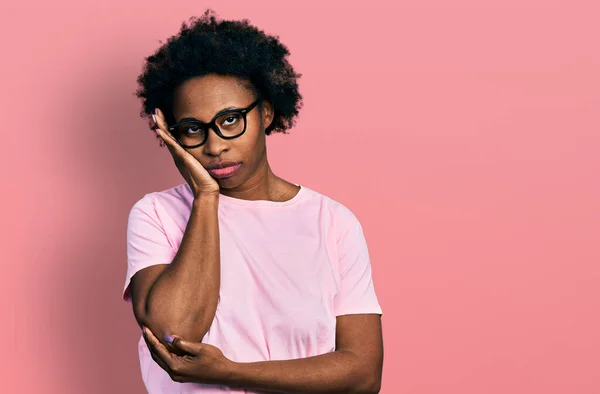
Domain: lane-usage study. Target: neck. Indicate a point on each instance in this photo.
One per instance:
(263, 185)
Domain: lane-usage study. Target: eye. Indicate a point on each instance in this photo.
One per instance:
(194, 129)
(230, 119)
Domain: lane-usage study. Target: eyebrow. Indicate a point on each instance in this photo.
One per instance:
(217, 114)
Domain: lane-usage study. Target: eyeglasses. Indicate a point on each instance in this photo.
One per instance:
(227, 124)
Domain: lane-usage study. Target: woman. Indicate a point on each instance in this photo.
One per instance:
(241, 280)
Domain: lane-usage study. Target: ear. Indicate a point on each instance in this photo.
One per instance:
(268, 113)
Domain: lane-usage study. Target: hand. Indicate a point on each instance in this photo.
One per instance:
(202, 363)
(193, 172)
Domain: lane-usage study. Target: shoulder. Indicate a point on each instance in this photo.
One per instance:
(171, 201)
(340, 214)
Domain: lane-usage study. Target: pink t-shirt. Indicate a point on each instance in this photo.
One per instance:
(287, 270)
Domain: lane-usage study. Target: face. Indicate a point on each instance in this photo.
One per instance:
(202, 98)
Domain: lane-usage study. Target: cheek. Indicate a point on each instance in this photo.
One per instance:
(254, 146)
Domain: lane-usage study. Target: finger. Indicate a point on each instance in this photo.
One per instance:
(158, 360)
(191, 348)
(173, 368)
(155, 357)
(171, 143)
(163, 135)
(183, 159)
(161, 351)
(161, 122)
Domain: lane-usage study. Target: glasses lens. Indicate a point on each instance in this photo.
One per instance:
(231, 124)
(190, 133)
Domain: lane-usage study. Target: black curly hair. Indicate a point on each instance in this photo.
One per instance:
(212, 46)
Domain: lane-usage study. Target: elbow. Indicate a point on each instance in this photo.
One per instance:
(190, 330)
(368, 388)
(370, 383)
(374, 389)
(171, 321)
(161, 324)
(189, 325)
(366, 374)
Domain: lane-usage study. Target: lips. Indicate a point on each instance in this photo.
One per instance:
(221, 164)
(223, 169)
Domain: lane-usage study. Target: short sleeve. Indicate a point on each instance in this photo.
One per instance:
(356, 292)
(147, 241)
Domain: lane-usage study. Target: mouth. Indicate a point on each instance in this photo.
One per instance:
(223, 170)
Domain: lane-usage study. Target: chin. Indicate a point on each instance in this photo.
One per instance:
(229, 183)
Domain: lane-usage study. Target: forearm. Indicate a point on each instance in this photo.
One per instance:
(183, 299)
(336, 372)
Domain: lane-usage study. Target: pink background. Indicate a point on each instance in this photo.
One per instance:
(465, 135)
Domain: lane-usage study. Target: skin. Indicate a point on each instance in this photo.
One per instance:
(202, 98)
(356, 364)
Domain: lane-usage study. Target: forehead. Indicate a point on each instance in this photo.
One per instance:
(202, 97)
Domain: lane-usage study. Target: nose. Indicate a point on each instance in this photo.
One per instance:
(214, 144)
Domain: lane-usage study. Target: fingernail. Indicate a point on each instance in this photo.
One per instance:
(154, 118)
(169, 338)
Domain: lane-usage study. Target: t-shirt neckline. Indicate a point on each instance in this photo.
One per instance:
(262, 203)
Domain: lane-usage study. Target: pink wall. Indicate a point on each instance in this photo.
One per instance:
(465, 136)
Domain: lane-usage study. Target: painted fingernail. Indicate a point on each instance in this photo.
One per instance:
(169, 338)
(154, 118)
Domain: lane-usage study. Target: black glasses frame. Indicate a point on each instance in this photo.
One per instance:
(213, 125)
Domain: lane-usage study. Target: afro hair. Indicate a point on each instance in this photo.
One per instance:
(208, 45)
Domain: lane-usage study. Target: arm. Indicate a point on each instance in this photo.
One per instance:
(354, 367)
(181, 297)
(356, 364)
